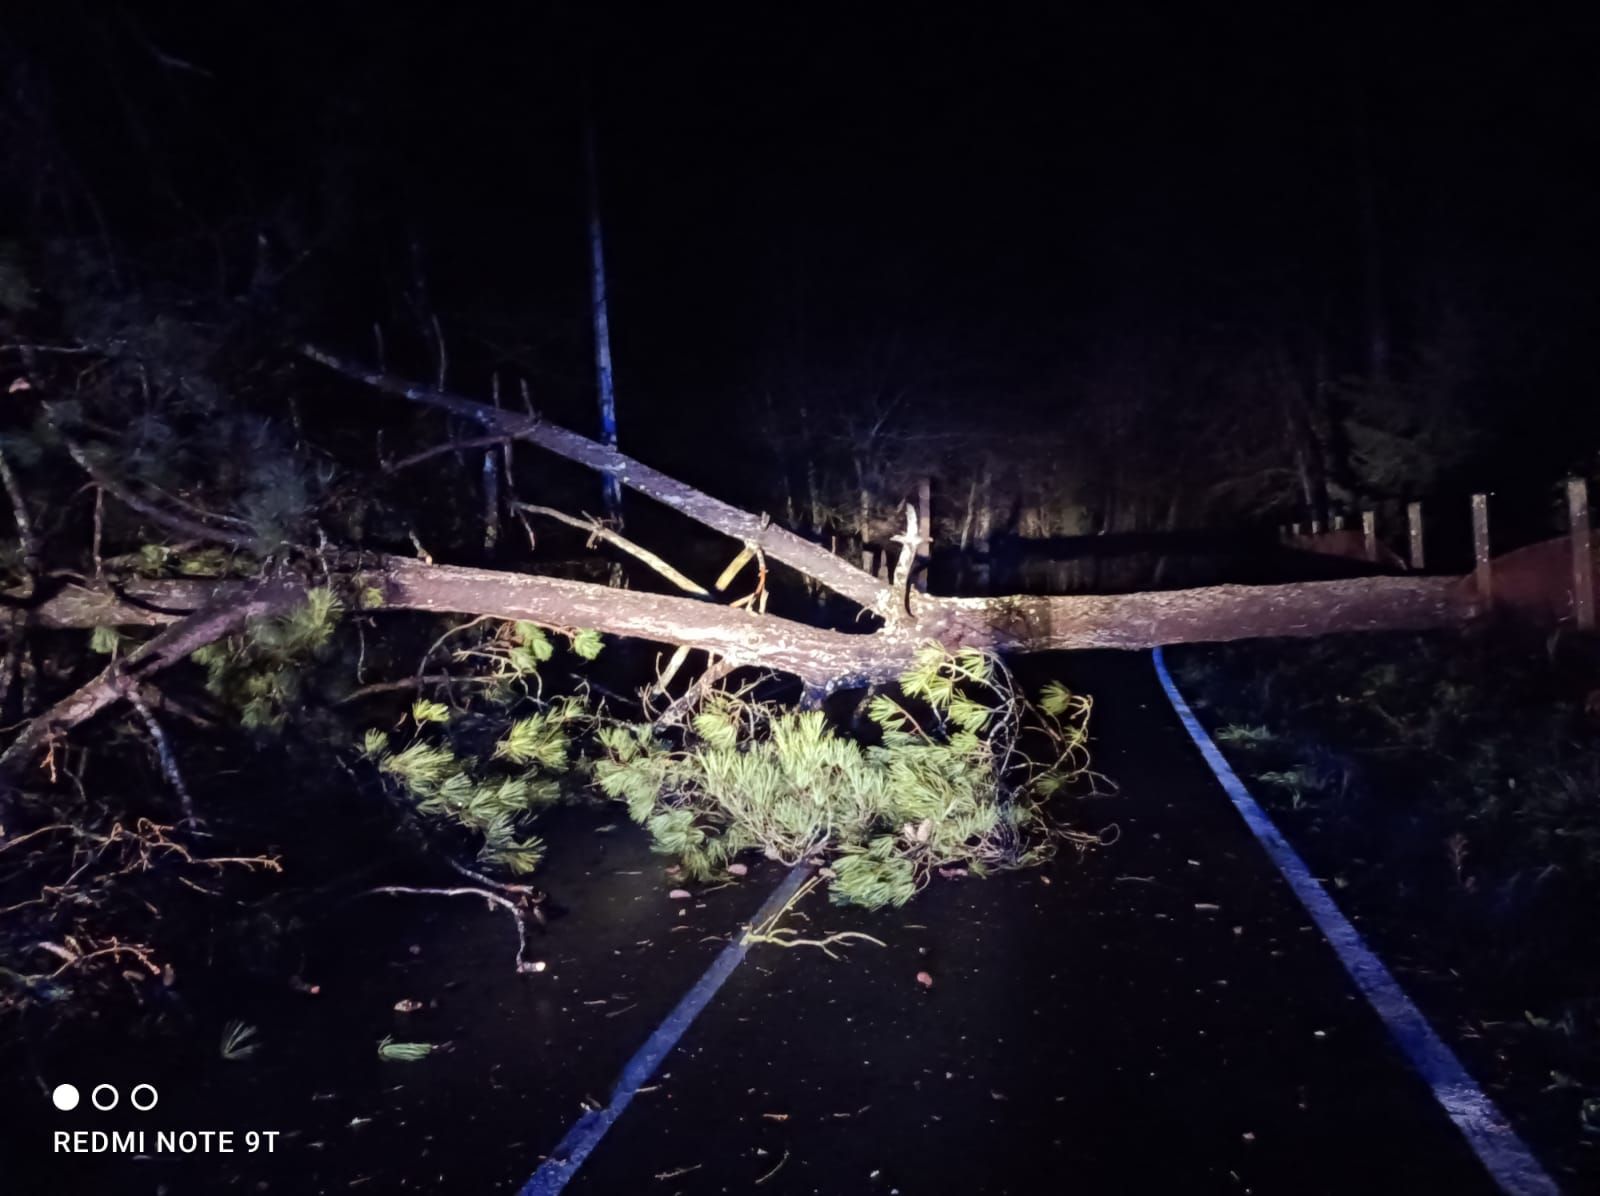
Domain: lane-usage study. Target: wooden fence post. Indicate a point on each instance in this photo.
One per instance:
(1369, 534)
(1480, 549)
(925, 523)
(1582, 554)
(1414, 526)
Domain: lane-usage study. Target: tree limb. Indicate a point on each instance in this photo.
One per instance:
(19, 507)
(440, 450)
(121, 677)
(798, 553)
(834, 658)
(168, 519)
(599, 531)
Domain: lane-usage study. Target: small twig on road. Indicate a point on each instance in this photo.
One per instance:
(775, 1170)
(782, 936)
(493, 898)
(678, 1171)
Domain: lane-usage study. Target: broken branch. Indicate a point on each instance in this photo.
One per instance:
(599, 531)
(812, 560)
(505, 903)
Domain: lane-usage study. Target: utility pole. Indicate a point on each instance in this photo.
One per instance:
(612, 491)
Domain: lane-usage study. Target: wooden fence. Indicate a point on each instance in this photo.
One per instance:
(1551, 580)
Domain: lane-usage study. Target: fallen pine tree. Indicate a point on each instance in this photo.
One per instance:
(237, 573)
(900, 618)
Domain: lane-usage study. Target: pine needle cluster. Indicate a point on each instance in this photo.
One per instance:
(259, 672)
(492, 798)
(958, 779)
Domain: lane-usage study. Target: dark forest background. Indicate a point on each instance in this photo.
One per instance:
(1128, 288)
(1133, 271)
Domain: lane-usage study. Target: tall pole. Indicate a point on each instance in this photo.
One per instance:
(1582, 553)
(925, 514)
(1482, 567)
(612, 491)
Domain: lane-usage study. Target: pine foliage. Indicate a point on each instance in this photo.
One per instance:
(259, 671)
(471, 794)
(958, 779)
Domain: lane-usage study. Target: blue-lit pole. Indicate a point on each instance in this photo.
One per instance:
(612, 491)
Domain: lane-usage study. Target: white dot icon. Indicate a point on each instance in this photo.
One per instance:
(65, 1097)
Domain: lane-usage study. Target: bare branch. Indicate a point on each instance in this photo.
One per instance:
(908, 541)
(121, 677)
(599, 531)
(168, 519)
(812, 560)
(493, 898)
(169, 762)
(19, 507)
(440, 450)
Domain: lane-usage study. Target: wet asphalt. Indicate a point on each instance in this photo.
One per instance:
(1155, 1016)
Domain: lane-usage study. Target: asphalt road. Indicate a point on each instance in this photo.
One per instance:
(1156, 1016)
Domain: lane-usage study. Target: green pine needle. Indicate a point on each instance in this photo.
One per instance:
(391, 1051)
(587, 644)
(424, 711)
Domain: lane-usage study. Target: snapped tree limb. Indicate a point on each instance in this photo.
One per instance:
(197, 612)
(121, 677)
(599, 531)
(827, 658)
(812, 560)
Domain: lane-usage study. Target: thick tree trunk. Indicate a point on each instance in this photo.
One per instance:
(830, 659)
(131, 602)
(200, 612)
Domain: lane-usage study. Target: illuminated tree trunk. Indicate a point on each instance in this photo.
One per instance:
(896, 622)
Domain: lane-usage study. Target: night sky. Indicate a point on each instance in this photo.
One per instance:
(1009, 206)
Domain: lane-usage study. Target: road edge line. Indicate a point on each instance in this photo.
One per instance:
(563, 1162)
(1498, 1147)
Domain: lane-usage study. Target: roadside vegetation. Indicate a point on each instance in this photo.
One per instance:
(1447, 789)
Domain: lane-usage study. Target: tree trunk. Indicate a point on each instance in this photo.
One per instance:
(983, 531)
(197, 613)
(824, 660)
(822, 657)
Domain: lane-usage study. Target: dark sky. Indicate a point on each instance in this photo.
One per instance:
(1005, 192)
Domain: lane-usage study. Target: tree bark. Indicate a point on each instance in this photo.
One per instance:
(832, 659)
(198, 612)
(225, 614)
(812, 560)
